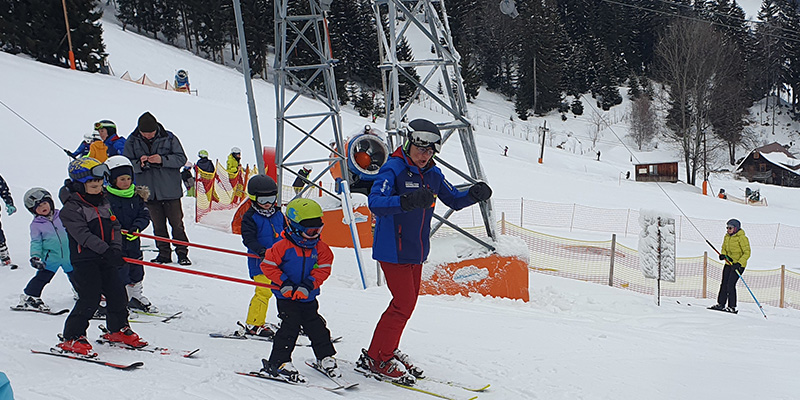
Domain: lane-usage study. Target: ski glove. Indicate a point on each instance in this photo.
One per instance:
(113, 257)
(37, 263)
(737, 265)
(129, 236)
(10, 209)
(480, 191)
(722, 257)
(420, 198)
(291, 290)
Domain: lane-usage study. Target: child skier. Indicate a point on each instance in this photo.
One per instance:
(49, 247)
(128, 205)
(297, 266)
(262, 225)
(96, 254)
(5, 194)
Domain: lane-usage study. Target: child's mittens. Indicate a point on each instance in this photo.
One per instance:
(37, 263)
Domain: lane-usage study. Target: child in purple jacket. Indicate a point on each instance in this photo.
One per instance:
(49, 247)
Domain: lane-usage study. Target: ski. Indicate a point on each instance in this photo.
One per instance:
(339, 380)
(149, 348)
(158, 314)
(92, 359)
(420, 386)
(723, 310)
(284, 380)
(458, 385)
(236, 335)
(59, 312)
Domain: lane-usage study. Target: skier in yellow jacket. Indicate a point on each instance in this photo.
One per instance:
(735, 252)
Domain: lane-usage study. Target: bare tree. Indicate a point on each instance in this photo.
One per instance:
(643, 120)
(597, 125)
(693, 60)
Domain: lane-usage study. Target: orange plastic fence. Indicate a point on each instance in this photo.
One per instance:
(219, 190)
(490, 276)
(337, 234)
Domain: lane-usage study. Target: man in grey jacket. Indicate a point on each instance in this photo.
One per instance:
(157, 157)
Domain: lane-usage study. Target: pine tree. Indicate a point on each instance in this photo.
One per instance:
(469, 74)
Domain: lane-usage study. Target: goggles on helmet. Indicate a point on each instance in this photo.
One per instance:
(265, 199)
(307, 232)
(100, 171)
(425, 139)
(98, 125)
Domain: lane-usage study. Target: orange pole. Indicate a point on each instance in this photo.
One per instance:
(69, 37)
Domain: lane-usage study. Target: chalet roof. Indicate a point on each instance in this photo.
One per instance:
(777, 155)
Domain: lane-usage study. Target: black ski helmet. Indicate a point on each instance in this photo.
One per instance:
(262, 185)
(35, 196)
(735, 224)
(424, 133)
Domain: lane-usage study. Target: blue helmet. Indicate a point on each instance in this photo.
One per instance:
(86, 168)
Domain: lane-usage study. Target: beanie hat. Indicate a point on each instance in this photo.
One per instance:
(147, 123)
(735, 224)
(119, 171)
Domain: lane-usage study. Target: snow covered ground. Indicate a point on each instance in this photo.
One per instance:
(573, 340)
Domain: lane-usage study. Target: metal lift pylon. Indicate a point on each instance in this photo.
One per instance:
(446, 62)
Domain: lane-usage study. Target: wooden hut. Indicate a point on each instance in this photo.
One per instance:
(660, 171)
(771, 164)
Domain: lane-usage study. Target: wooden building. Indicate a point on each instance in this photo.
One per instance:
(771, 164)
(664, 171)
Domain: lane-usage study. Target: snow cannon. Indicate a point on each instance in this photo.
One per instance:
(365, 152)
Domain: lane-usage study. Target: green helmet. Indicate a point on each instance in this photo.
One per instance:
(202, 154)
(301, 209)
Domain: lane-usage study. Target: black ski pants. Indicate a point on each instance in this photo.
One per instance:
(40, 280)
(91, 279)
(727, 289)
(293, 315)
(161, 212)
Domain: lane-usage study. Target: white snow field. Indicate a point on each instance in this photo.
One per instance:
(573, 340)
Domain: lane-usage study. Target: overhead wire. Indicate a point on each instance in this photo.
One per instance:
(37, 129)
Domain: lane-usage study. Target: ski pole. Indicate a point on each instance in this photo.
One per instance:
(751, 293)
(182, 243)
(201, 273)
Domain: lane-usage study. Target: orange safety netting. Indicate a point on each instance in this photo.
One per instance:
(219, 190)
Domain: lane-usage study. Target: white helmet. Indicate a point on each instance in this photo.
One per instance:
(118, 161)
(236, 150)
(88, 137)
(307, 167)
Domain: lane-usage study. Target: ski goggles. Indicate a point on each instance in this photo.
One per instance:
(425, 139)
(98, 125)
(265, 199)
(308, 232)
(100, 172)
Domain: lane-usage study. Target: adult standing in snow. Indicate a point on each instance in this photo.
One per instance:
(234, 164)
(735, 252)
(402, 200)
(108, 134)
(157, 157)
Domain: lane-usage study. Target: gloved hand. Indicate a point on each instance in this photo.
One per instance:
(129, 236)
(737, 265)
(10, 209)
(722, 257)
(480, 191)
(304, 290)
(37, 263)
(113, 257)
(69, 153)
(262, 253)
(420, 198)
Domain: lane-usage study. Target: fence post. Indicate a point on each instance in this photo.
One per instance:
(627, 221)
(503, 223)
(705, 274)
(777, 232)
(572, 219)
(521, 210)
(783, 284)
(611, 263)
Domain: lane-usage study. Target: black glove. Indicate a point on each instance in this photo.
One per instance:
(722, 257)
(113, 257)
(69, 153)
(737, 265)
(37, 263)
(420, 198)
(480, 191)
(262, 253)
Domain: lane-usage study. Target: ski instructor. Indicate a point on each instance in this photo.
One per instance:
(402, 199)
(735, 252)
(157, 157)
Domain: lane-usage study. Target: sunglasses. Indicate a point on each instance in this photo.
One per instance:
(98, 125)
(731, 227)
(266, 199)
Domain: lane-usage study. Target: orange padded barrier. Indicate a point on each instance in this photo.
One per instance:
(490, 276)
(337, 234)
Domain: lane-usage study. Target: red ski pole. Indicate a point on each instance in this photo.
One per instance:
(182, 243)
(201, 273)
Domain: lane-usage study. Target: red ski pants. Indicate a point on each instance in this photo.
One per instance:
(403, 281)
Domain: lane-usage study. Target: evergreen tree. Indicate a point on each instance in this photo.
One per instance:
(406, 86)
(469, 74)
(259, 31)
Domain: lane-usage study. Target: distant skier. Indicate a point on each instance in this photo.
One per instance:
(5, 194)
(722, 194)
(234, 164)
(182, 81)
(735, 252)
(188, 178)
(83, 148)
(108, 134)
(203, 162)
(299, 183)
(505, 151)
(598, 155)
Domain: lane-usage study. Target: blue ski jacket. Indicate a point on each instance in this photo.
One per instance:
(259, 233)
(403, 237)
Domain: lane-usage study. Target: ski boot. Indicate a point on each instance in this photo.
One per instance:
(406, 361)
(285, 370)
(329, 365)
(254, 330)
(731, 310)
(5, 258)
(126, 336)
(718, 307)
(137, 300)
(31, 302)
(78, 346)
(391, 370)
